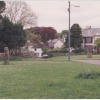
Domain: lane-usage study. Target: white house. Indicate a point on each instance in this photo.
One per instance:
(37, 51)
(90, 35)
(56, 43)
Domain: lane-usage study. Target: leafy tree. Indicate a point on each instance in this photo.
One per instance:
(35, 39)
(18, 37)
(46, 33)
(12, 35)
(2, 6)
(76, 38)
(64, 32)
(59, 35)
(98, 45)
(5, 32)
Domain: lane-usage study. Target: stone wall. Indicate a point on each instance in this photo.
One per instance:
(2, 56)
(27, 54)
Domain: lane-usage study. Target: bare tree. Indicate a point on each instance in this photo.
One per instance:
(20, 12)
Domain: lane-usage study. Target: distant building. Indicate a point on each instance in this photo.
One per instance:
(56, 43)
(38, 50)
(90, 35)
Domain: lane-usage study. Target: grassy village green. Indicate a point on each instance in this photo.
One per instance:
(54, 78)
(75, 57)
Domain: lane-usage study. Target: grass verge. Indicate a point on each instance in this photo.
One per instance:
(40, 79)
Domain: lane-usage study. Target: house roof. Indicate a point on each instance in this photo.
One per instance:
(42, 45)
(90, 32)
(55, 40)
(28, 43)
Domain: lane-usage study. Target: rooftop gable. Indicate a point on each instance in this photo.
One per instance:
(90, 32)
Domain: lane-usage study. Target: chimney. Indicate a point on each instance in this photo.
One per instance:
(88, 27)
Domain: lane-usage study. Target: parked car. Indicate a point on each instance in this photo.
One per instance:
(45, 56)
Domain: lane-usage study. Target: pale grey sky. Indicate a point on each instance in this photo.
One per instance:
(54, 13)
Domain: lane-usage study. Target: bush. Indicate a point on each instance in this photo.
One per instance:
(89, 75)
(29, 54)
(50, 54)
(78, 50)
(57, 51)
(45, 51)
(15, 58)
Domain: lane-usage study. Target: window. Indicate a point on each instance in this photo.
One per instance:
(88, 39)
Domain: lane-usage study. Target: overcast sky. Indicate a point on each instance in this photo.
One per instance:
(54, 13)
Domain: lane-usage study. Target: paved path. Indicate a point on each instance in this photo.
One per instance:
(90, 61)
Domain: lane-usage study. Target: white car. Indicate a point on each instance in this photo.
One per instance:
(45, 56)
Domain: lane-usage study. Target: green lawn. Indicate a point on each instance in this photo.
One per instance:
(75, 57)
(52, 79)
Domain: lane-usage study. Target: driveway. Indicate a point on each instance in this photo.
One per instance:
(90, 61)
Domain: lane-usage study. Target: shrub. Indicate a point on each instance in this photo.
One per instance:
(45, 51)
(29, 54)
(78, 50)
(89, 75)
(15, 58)
(50, 54)
(64, 50)
(57, 52)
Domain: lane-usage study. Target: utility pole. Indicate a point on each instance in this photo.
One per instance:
(69, 31)
(69, 34)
